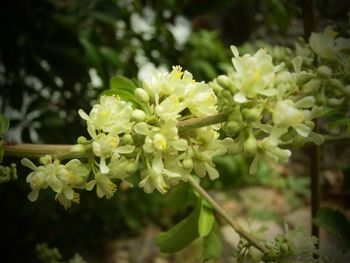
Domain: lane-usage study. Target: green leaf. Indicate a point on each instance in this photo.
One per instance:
(91, 52)
(335, 222)
(2, 151)
(212, 246)
(180, 235)
(206, 219)
(124, 88)
(111, 56)
(4, 124)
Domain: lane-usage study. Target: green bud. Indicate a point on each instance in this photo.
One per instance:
(141, 95)
(235, 148)
(303, 78)
(82, 140)
(45, 159)
(225, 82)
(324, 72)
(187, 164)
(205, 157)
(346, 90)
(215, 86)
(336, 84)
(335, 102)
(250, 145)
(127, 140)
(251, 115)
(226, 94)
(231, 128)
(131, 168)
(78, 148)
(138, 115)
(311, 85)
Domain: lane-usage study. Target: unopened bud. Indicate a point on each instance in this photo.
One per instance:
(187, 164)
(138, 115)
(45, 159)
(311, 85)
(131, 168)
(226, 83)
(82, 140)
(324, 72)
(334, 101)
(127, 140)
(251, 115)
(303, 78)
(347, 90)
(249, 145)
(141, 95)
(231, 128)
(336, 84)
(78, 148)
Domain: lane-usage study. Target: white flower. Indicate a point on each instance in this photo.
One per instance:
(155, 175)
(253, 75)
(111, 115)
(104, 185)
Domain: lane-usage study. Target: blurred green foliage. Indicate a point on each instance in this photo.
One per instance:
(58, 56)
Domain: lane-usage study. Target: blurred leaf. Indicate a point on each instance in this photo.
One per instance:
(111, 56)
(346, 173)
(178, 196)
(180, 235)
(212, 245)
(206, 219)
(91, 52)
(124, 88)
(4, 124)
(335, 222)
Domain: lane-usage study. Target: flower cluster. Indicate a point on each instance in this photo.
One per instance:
(265, 106)
(293, 246)
(62, 179)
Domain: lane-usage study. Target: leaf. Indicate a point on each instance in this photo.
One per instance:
(124, 88)
(212, 246)
(206, 219)
(180, 235)
(4, 124)
(111, 56)
(91, 52)
(334, 221)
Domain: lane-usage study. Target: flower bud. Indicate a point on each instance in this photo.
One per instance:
(45, 159)
(131, 168)
(141, 95)
(138, 115)
(251, 115)
(335, 102)
(249, 146)
(324, 72)
(231, 128)
(187, 164)
(82, 140)
(215, 86)
(78, 148)
(336, 84)
(346, 90)
(298, 141)
(225, 82)
(127, 140)
(311, 85)
(303, 78)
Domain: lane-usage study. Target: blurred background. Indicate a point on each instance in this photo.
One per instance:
(57, 56)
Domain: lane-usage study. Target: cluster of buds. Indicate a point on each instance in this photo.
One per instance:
(264, 107)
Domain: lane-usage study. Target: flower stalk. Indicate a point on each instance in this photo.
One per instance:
(225, 216)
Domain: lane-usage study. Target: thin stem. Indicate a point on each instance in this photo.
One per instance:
(201, 122)
(225, 216)
(28, 150)
(315, 155)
